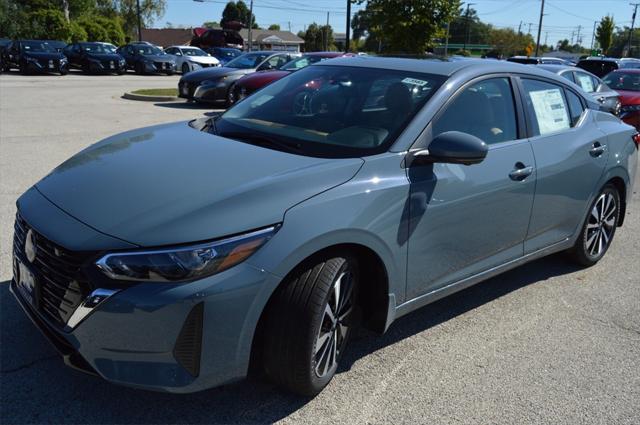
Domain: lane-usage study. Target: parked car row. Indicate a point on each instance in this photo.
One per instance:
(50, 56)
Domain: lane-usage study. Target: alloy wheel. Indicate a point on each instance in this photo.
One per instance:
(334, 327)
(601, 225)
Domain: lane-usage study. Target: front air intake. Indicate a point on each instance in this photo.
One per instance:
(189, 343)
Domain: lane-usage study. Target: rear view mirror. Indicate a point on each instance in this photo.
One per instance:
(451, 147)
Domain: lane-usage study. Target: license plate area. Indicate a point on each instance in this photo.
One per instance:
(26, 283)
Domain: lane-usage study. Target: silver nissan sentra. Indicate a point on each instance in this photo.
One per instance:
(347, 194)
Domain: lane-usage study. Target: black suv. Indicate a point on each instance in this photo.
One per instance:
(95, 58)
(34, 56)
(146, 58)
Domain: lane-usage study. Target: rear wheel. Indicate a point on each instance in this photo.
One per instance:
(309, 322)
(599, 228)
(139, 68)
(231, 96)
(185, 68)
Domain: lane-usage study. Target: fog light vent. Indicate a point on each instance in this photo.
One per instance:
(189, 343)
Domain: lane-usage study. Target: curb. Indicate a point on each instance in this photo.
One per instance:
(145, 98)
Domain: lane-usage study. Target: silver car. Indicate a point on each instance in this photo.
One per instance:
(608, 98)
(179, 257)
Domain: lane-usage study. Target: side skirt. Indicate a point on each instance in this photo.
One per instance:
(440, 293)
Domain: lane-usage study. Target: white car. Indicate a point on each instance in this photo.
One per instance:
(190, 58)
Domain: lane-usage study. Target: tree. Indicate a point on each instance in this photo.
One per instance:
(409, 26)
(360, 23)
(604, 33)
(211, 24)
(46, 24)
(274, 27)
(238, 11)
(479, 32)
(315, 37)
(507, 42)
(150, 10)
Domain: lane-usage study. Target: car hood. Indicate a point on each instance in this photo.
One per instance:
(45, 55)
(105, 56)
(212, 74)
(173, 184)
(261, 79)
(203, 59)
(158, 58)
(628, 97)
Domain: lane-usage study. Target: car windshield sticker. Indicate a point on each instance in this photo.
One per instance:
(586, 83)
(414, 81)
(550, 110)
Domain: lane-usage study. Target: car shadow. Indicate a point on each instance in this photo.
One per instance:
(35, 384)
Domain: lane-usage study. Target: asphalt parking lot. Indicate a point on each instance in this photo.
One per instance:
(545, 343)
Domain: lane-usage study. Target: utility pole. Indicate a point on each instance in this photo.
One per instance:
(593, 36)
(326, 34)
(546, 37)
(347, 38)
(446, 41)
(289, 26)
(578, 39)
(633, 21)
(573, 34)
(529, 32)
(139, 21)
(539, 28)
(519, 28)
(466, 38)
(250, 25)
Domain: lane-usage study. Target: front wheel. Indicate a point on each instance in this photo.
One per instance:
(309, 322)
(599, 228)
(185, 68)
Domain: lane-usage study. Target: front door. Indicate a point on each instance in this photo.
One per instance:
(467, 219)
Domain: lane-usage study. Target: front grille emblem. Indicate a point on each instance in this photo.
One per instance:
(30, 246)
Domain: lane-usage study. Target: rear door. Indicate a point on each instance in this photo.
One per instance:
(571, 154)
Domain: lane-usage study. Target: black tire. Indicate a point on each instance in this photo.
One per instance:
(170, 73)
(64, 71)
(598, 230)
(139, 69)
(185, 69)
(298, 352)
(231, 98)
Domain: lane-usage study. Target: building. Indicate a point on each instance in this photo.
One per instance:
(272, 40)
(262, 39)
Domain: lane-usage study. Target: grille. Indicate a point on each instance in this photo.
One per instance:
(45, 63)
(161, 65)
(61, 285)
(191, 88)
(107, 64)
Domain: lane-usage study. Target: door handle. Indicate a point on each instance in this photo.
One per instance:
(597, 149)
(521, 172)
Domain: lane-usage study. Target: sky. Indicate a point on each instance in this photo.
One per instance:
(563, 18)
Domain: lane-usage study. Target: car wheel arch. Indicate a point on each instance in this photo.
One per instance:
(621, 186)
(373, 300)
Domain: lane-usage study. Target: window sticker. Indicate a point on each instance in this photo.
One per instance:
(414, 81)
(586, 83)
(550, 110)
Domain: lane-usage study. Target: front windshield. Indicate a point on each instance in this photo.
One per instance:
(301, 62)
(146, 50)
(623, 81)
(193, 52)
(330, 111)
(109, 48)
(97, 48)
(228, 53)
(37, 46)
(247, 61)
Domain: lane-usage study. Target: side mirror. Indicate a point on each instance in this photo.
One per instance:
(451, 147)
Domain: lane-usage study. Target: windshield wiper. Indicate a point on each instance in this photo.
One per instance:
(261, 140)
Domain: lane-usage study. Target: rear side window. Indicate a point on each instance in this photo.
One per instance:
(586, 82)
(568, 76)
(484, 109)
(575, 107)
(547, 107)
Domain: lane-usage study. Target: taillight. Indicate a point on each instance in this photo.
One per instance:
(636, 138)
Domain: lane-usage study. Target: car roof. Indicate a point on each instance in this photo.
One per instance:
(434, 66)
(626, 71)
(184, 47)
(558, 68)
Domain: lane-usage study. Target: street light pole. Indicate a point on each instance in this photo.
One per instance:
(466, 38)
(633, 21)
(250, 25)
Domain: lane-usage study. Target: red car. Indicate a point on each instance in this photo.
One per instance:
(257, 80)
(627, 83)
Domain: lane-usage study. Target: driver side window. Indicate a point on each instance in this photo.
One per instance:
(485, 110)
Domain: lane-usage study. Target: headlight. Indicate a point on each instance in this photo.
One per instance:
(184, 263)
(63, 60)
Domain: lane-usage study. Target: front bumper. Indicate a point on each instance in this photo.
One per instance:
(159, 67)
(46, 66)
(205, 93)
(107, 67)
(136, 337)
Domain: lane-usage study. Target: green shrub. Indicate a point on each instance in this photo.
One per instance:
(95, 31)
(46, 24)
(77, 32)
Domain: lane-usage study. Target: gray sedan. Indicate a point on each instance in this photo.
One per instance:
(179, 257)
(609, 99)
(213, 85)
